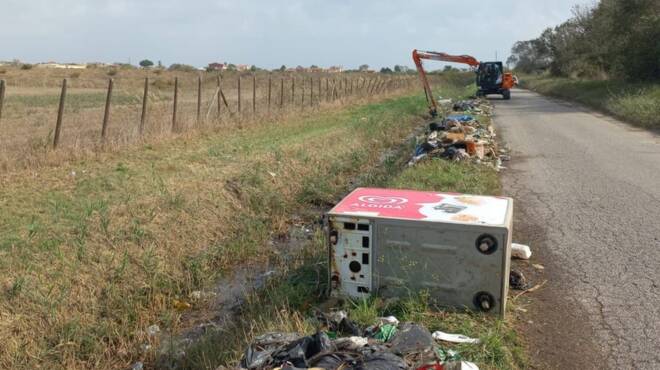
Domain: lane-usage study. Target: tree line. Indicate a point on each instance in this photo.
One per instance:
(614, 39)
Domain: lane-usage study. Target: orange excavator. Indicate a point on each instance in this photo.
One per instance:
(491, 78)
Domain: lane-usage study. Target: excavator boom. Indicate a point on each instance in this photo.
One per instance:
(418, 55)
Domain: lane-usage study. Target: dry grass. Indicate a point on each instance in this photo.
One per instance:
(94, 251)
(29, 114)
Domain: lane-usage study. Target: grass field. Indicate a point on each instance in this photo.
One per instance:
(30, 109)
(94, 251)
(636, 103)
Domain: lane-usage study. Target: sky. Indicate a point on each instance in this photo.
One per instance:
(269, 33)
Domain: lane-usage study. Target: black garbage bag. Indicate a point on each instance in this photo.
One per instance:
(299, 352)
(260, 352)
(339, 322)
(382, 361)
(438, 126)
(334, 361)
(411, 338)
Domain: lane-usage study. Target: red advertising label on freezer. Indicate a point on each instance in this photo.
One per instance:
(425, 206)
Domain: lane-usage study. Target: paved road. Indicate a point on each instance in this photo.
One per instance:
(588, 200)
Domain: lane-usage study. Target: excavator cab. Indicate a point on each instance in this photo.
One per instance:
(491, 79)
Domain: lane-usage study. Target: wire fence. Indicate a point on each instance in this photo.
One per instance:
(80, 114)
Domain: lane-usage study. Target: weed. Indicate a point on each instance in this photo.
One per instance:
(636, 103)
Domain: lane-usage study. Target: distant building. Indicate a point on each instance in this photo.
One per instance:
(218, 66)
(335, 69)
(60, 65)
(243, 67)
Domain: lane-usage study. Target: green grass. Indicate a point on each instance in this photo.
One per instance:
(93, 252)
(288, 301)
(636, 103)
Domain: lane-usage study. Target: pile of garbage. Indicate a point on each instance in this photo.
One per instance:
(461, 136)
(342, 344)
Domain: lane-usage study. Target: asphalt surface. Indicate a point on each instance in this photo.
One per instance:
(587, 192)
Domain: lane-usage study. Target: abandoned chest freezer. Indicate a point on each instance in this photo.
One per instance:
(392, 242)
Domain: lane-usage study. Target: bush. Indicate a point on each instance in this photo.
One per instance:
(112, 72)
(3, 71)
(26, 66)
(182, 67)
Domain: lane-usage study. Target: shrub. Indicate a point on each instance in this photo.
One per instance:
(112, 72)
(182, 67)
(26, 66)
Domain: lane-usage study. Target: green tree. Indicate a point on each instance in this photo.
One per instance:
(363, 68)
(282, 68)
(146, 63)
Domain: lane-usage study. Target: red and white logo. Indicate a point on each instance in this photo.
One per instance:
(377, 199)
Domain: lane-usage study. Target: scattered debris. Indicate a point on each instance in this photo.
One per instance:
(538, 267)
(462, 365)
(411, 338)
(520, 251)
(181, 305)
(388, 320)
(517, 280)
(137, 366)
(411, 346)
(530, 290)
(461, 137)
(153, 330)
(454, 338)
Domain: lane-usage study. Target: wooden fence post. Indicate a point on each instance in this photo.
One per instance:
(293, 90)
(199, 98)
(319, 91)
(145, 97)
(254, 94)
(302, 99)
(219, 95)
(270, 90)
(239, 96)
(2, 96)
(282, 93)
(176, 99)
(311, 91)
(106, 112)
(60, 114)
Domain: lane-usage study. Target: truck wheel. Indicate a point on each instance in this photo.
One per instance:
(506, 94)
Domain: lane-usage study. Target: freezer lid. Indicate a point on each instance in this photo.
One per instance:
(425, 206)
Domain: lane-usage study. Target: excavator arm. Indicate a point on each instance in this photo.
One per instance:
(418, 55)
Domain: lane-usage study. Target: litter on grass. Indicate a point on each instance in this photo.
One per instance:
(461, 136)
(382, 346)
(520, 251)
